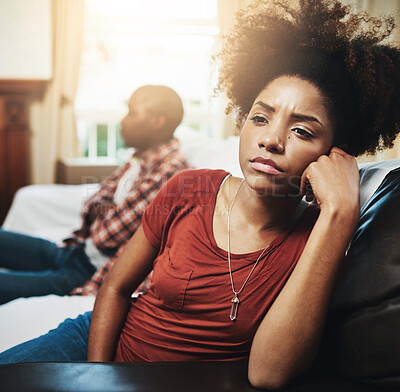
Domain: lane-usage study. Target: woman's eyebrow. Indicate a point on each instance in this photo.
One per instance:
(296, 116)
(265, 106)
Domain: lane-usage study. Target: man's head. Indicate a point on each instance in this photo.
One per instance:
(154, 113)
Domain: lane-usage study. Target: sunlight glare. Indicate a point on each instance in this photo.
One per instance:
(174, 9)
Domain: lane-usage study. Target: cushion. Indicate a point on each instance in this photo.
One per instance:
(371, 176)
(362, 338)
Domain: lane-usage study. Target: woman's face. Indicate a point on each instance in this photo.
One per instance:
(288, 127)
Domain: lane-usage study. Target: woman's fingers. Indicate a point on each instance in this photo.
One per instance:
(337, 150)
(309, 194)
(304, 183)
(332, 177)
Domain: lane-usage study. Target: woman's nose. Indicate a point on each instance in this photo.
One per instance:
(272, 141)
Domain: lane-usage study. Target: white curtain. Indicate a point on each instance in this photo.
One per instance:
(226, 14)
(227, 10)
(53, 123)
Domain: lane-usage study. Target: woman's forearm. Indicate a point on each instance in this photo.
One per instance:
(107, 320)
(113, 300)
(288, 338)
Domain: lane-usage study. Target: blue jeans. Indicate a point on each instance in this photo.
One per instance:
(35, 267)
(68, 342)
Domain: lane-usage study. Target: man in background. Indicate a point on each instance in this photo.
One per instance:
(37, 267)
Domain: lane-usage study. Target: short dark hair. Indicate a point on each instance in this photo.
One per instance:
(324, 42)
(166, 102)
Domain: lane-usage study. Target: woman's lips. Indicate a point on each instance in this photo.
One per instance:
(265, 166)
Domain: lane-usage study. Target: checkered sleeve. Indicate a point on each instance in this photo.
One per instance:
(92, 286)
(113, 232)
(103, 195)
(106, 191)
(121, 222)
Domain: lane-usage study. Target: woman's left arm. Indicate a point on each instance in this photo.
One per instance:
(288, 338)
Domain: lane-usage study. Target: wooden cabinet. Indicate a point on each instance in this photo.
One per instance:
(83, 170)
(14, 138)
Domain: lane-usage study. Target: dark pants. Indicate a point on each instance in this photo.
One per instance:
(34, 267)
(66, 343)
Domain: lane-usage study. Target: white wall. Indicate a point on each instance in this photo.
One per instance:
(25, 39)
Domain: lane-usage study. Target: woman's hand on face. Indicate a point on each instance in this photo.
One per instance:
(334, 181)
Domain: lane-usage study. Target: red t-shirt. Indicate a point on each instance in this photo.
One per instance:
(185, 313)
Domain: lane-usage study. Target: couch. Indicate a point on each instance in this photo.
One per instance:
(361, 345)
(157, 377)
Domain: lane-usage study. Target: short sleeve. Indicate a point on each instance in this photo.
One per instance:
(174, 197)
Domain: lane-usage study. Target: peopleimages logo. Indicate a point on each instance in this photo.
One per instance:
(280, 186)
(186, 209)
(188, 184)
(185, 189)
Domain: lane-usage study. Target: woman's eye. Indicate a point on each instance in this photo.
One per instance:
(302, 132)
(259, 120)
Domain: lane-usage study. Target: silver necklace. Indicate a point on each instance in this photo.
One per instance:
(235, 300)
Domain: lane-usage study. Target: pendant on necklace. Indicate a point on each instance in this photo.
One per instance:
(234, 308)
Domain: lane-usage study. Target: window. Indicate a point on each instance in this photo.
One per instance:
(129, 43)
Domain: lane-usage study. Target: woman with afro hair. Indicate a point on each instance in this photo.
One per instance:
(243, 269)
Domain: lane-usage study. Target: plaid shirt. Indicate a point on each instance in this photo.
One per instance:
(112, 230)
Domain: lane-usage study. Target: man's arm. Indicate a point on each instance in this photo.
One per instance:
(288, 338)
(98, 210)
(122, 221)
(97, 206)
